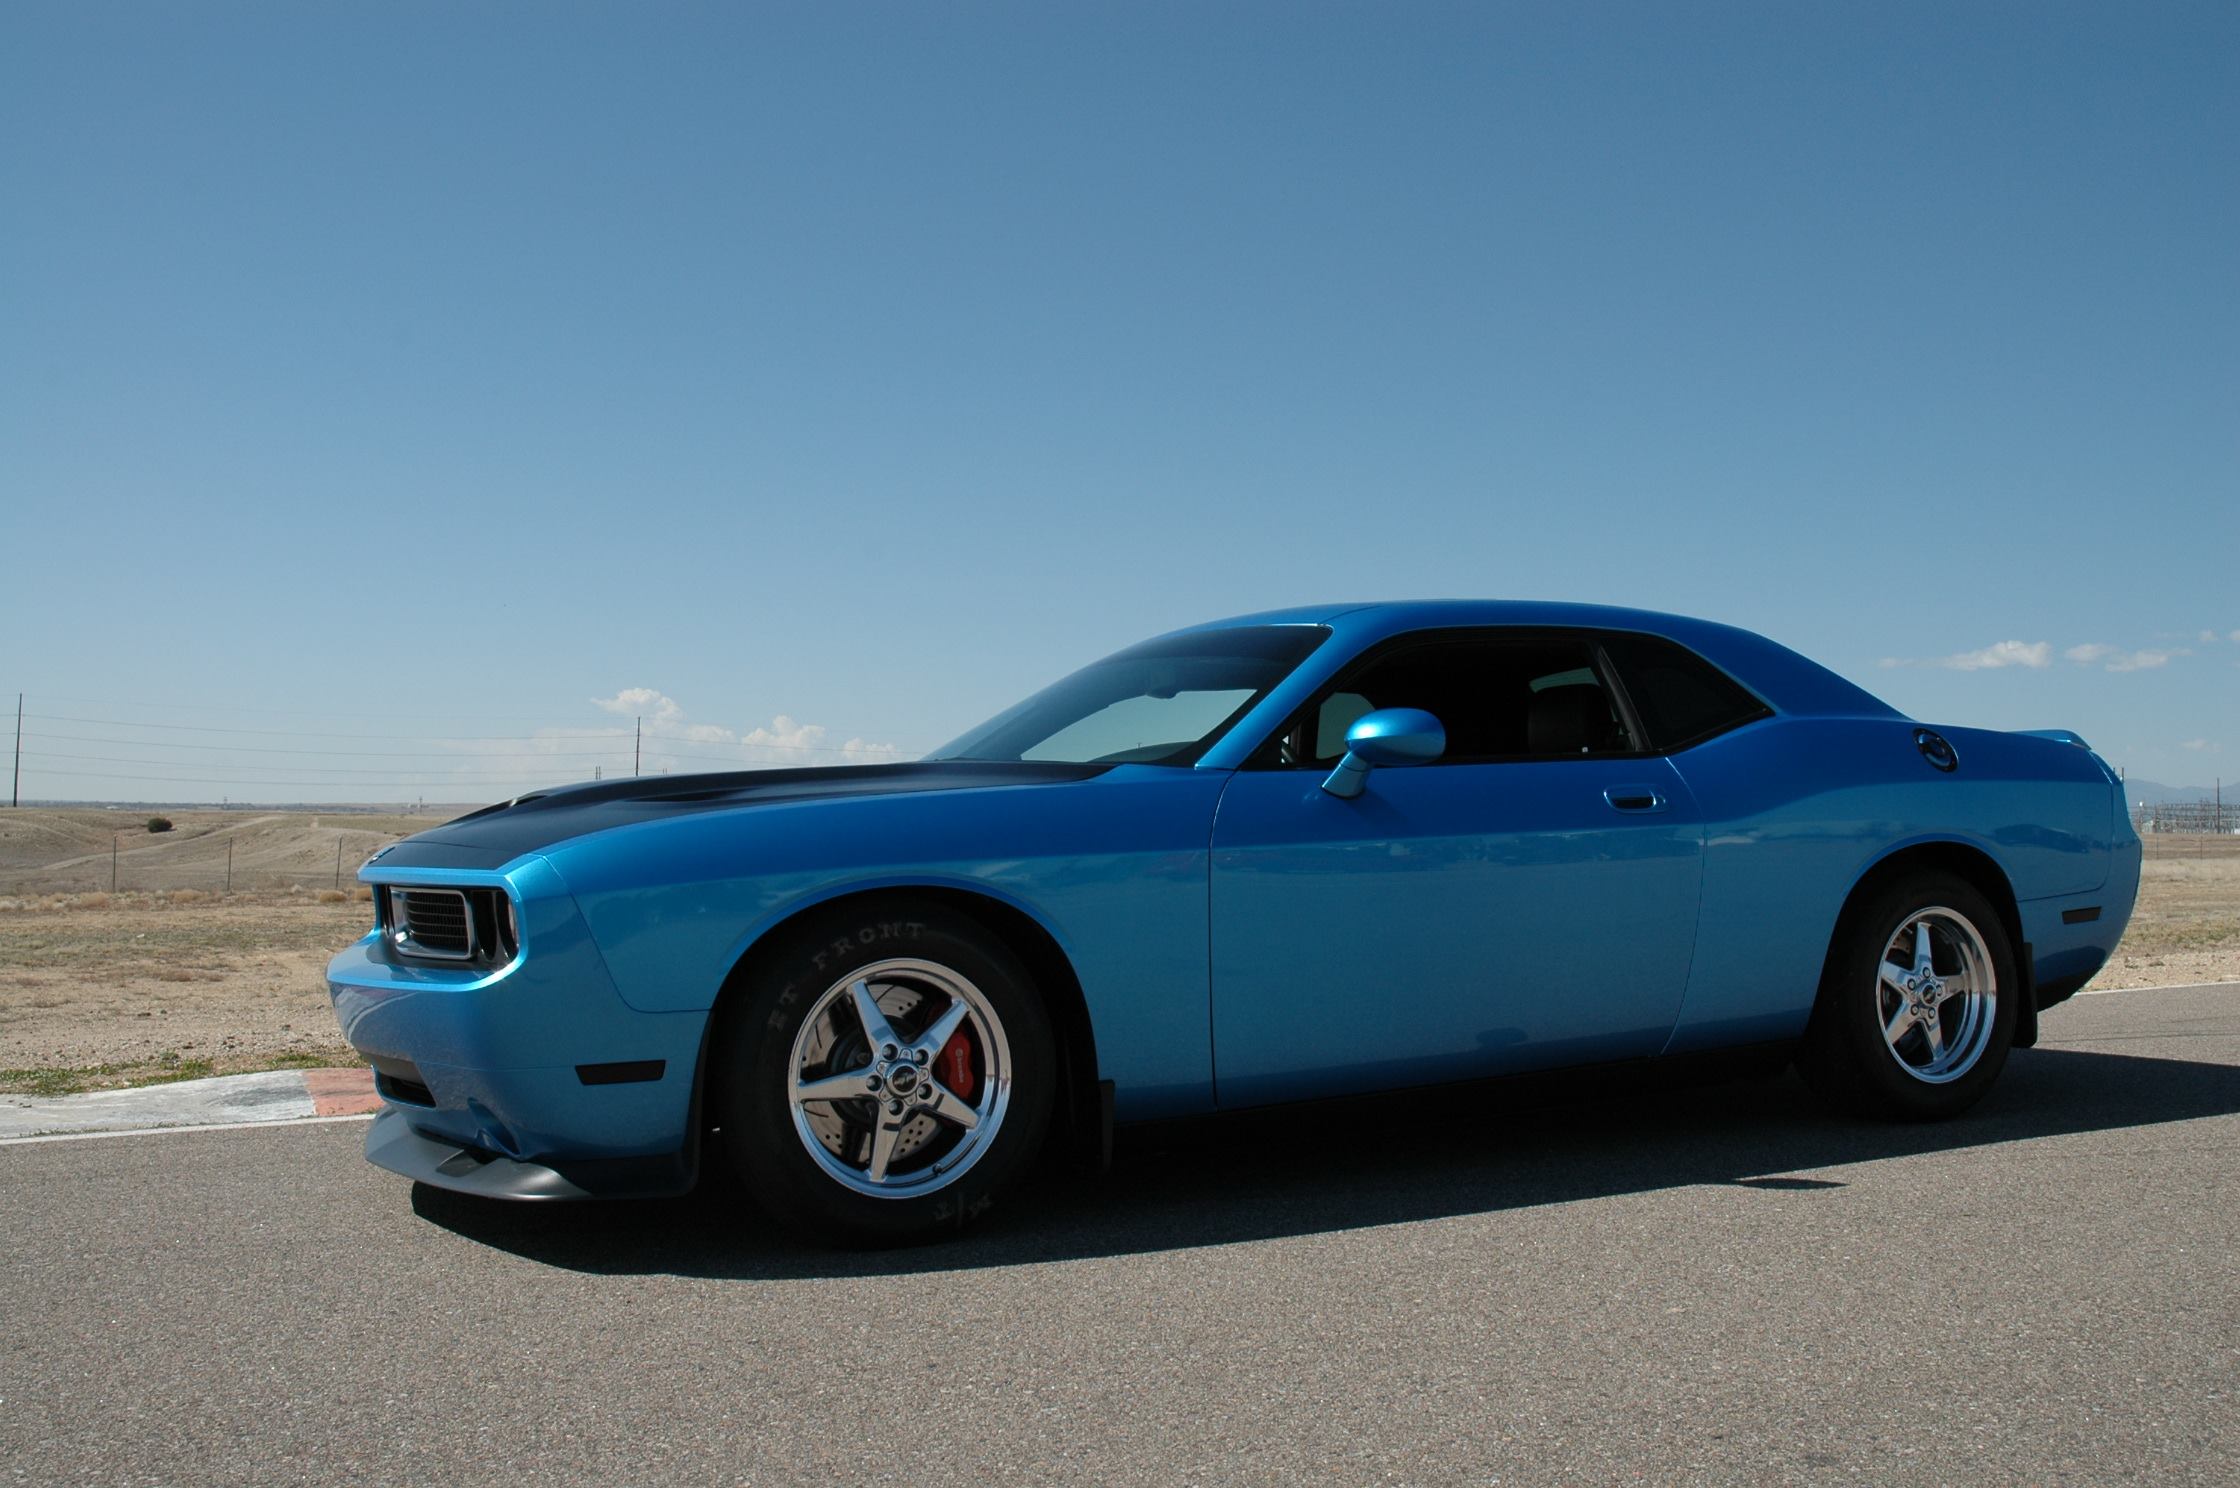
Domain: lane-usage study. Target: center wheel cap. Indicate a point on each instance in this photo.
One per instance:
(904, 1080)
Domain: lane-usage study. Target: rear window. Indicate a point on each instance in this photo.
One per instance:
(1681, 698)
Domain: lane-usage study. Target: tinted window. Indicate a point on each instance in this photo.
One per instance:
(1498, 699)
(1681, 698)
(1159, 703)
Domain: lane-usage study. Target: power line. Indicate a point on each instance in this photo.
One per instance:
(112, 759)
(385, 716)
(555, 735)
(322, 753)
(211, 728)
(421, 784)
(284, 712)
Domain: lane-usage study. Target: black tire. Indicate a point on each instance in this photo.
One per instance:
(1847, 1056)
(754, 1058)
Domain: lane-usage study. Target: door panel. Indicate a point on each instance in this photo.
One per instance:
(1453, 921)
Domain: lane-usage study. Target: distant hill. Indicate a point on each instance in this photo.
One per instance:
(2154, 793)
(45, 850)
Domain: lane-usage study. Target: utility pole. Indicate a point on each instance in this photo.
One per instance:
(15, 791)
(338, 862)
(229, 865)
(637, 744)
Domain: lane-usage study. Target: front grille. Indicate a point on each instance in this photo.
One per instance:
(449, 924)
(432, 922)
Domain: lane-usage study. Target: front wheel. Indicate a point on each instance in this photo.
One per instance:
(1918, 1003)
(889, 1071)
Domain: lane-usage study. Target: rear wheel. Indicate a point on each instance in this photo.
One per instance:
(889, 1072)
(1917, 1006)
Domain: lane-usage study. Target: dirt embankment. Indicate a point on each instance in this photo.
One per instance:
(102, 989)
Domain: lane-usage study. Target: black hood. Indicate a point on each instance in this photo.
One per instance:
(498, 834)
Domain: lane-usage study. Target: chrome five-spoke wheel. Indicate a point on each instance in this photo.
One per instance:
(1938, 994)
(900, 1078)
(1918, 1003)
(884, 1073)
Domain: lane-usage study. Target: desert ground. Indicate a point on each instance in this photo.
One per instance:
(171, 975)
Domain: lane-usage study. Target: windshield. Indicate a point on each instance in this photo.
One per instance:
(1160, 703)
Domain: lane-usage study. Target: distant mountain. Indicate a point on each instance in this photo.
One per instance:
(2152, 793)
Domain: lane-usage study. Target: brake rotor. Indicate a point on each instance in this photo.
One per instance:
(835, 1045)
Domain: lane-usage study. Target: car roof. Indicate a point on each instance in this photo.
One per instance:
(1407, 614)
(1790, 682)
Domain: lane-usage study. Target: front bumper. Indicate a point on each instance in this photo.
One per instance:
(532, 1080)
(392, 1143)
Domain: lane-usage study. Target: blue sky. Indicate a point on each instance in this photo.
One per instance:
(402, 379)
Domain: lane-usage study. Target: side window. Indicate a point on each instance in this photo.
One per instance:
(1333, 716)
(1681, 698)
(1525, 697)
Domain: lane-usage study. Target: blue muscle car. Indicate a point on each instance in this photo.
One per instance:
(1282, 857)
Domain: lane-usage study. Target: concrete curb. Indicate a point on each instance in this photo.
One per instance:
(224, 1100)
(317, 1095)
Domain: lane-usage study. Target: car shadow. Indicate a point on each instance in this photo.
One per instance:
(1300, 1171)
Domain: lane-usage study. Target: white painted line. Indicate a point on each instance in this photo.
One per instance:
(166, 1131)
(2167, 987)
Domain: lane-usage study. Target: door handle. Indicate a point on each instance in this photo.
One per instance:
(1634, 798)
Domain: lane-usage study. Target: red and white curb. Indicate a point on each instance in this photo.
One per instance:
(296, 1096)
(302, 1097)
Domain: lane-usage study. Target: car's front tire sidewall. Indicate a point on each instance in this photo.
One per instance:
(752, 1072)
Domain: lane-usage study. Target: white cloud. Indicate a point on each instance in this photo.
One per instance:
(2116, 659)
(2195, 744)
(666, 745)
(2032, 654)
(2207, 638)
(642, 702)
(787, 741)
(2234, 637)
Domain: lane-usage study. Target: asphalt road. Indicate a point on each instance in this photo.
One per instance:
(1713, 1285)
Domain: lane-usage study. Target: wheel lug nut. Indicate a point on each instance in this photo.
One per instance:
(890, 1051)
(894, 1108)
(872, 1083)
(921, 1056)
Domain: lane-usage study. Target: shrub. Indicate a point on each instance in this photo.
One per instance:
(332, 896)
(159, 823)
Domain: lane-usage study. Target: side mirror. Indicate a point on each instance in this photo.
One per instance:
(1389, 736)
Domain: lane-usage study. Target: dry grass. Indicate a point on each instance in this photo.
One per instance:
(82, 849)
(101, 989)
(97, 989)
(175, 972)
(2187, 924)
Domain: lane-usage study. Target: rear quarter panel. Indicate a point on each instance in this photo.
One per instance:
(1798, 810)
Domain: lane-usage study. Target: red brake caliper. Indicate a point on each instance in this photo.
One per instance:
(956, 1066)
